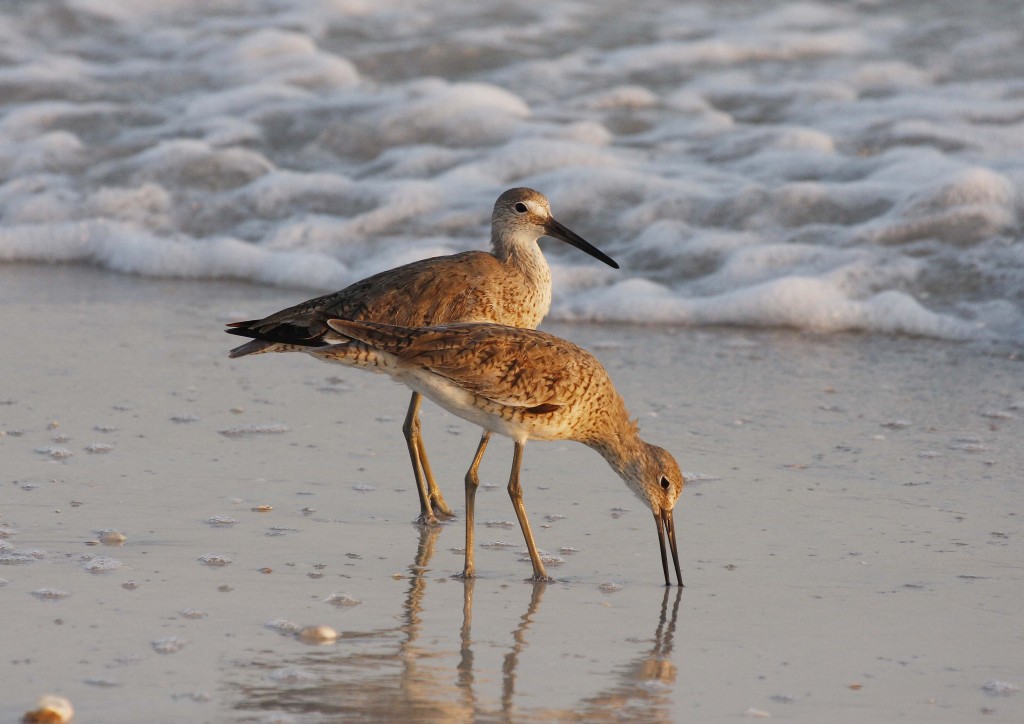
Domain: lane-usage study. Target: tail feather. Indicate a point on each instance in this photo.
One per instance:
(386, 336)
(274, 337)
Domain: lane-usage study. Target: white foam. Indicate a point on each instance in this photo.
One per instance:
(820, 166)
(459, 115)
(798, 302)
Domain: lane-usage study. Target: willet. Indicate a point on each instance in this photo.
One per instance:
(524, 384)
(511, 285)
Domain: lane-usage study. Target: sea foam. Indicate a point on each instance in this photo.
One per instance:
(816, 166)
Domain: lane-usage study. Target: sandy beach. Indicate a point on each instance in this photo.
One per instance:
(849, 538)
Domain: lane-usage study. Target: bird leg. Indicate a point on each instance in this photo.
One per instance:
(472, 483)
(430, 496)
(515, 491)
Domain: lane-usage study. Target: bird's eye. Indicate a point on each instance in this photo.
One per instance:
(520, 208)
(665, 484)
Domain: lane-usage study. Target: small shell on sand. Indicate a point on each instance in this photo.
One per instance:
(110, 537)
(317, 635)
(51, 709)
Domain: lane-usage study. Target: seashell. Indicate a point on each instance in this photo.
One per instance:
(110, 537)
(52, 710)
(317, 635)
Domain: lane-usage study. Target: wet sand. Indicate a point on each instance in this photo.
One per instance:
(850, 538)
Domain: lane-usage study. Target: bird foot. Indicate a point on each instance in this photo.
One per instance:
(441, 508)
(428, 520)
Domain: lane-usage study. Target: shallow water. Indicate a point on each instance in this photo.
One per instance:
(848, 535)
(826, 166)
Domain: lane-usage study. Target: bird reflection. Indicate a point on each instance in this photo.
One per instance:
(510, 663)
(644, 690)
(412, 672)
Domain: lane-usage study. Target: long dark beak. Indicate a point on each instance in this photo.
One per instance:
(667, 529)
(557, 231)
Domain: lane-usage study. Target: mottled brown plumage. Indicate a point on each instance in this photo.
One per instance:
(511, 285)
(524, 384)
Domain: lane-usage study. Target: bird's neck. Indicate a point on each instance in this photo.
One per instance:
(621, 446)
(528, 287)
(523, 253)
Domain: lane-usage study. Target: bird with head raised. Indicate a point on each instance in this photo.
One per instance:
(524, 384)
(510, 284)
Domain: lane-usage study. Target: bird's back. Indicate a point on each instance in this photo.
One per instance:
(545, 385)
(472, 286)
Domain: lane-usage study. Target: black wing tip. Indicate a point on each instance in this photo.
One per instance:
(280, 334)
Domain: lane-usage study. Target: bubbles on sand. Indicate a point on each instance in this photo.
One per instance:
(290, 676)
(50, 594)
(101, 564)
(11, 556)
(999, 688)
(254, 429)
(969, 445)
(498, 545)
(283, 626)
(55, 453)
(168, 645)
(342, 600)
(548, 559)
(101, 682)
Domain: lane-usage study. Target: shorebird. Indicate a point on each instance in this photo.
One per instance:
(511, 285)
(524, 384)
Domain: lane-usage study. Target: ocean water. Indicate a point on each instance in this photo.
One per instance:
(827, 166)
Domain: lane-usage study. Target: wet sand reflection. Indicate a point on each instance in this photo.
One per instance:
(413, 672)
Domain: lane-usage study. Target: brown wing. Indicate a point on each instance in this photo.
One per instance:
(421, 294)
(511, 366)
